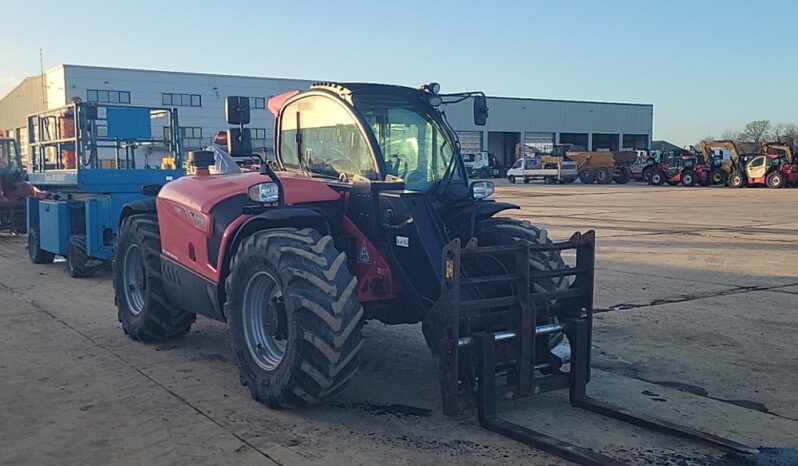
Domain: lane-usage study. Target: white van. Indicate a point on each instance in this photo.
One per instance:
(532, 167)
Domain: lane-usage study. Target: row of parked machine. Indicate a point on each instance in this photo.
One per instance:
(713, 163)
(773, 166)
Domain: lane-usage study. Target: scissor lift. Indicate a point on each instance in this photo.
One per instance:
(90, 160)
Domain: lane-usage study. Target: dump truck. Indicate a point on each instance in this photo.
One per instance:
(602, 167)
(295, 257)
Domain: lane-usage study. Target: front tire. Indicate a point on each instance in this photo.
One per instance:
(736, 180)
(511, 179)
(688, 178)
(294, 318)
(79, 264)
(142, 307)
(658, 178)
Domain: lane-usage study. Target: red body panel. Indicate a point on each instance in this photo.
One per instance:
(374, 279)
(184, 207)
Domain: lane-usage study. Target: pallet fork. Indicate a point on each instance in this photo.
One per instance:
(506, 359)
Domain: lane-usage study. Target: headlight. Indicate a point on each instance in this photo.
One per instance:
(482, 189)
(264, 193)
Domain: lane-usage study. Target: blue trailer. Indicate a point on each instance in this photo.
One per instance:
(89, 160)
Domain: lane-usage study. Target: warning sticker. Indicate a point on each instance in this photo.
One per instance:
(364, 256)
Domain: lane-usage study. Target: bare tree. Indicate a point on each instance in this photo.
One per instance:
(786, 133)
(756, 131)
(735, 136)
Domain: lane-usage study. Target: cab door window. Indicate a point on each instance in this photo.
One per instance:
(322, 134)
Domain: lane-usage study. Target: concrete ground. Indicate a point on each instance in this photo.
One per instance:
(697, 294)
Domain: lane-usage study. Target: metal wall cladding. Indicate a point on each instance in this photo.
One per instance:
(23, 100)
(557, 116)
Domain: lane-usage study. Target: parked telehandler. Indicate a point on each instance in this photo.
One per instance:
(775, 170)
(367, 213)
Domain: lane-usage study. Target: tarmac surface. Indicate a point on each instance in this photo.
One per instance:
(697, 301)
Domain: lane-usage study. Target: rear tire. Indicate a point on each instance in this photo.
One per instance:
(35, 252)
(526, 180)
(624, 176)
(587, 175)
(604, 175)
(77, 259)
(142, 307)
(776, 180)
(307, 348)
(717, 176)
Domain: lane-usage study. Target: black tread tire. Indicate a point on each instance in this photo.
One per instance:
(604, 175)
(511, 179)
(526, 180)
(624, 176)
(35, 252)
(658, 178)
(323, 314)
(776, 180)
(77, 258)
(159, 320)
(645, 175)
(587, 175)
(736, 180)
(720, 174)
(502, 231)
(688, 178)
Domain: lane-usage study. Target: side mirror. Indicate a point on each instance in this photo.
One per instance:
(239, 142)
(480, 110)
(236, 110)
(481, 189)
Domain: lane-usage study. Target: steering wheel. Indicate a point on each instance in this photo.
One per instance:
(397, 165)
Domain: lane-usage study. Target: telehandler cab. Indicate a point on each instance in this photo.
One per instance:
(368, 213)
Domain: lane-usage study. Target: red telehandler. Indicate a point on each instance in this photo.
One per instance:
(367, 213)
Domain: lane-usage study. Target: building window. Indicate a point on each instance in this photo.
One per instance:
(108, 97)
(635, 141)
(259, 140)
(257, 102)
(605, 141)
(539, 142)
(181, 100)
(191, 137)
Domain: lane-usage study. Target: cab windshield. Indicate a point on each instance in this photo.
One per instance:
(414, 145)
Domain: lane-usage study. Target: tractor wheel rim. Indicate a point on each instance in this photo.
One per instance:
(135, 279)
(263, 312)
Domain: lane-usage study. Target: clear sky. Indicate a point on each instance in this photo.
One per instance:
(707, 66)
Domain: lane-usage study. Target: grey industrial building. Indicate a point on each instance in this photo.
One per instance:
(200, 99)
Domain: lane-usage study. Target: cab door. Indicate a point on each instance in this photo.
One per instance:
(757, 167)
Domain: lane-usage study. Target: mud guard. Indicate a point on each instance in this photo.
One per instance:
(140, 206)
(471, 213)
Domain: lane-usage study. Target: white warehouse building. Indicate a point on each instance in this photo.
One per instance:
(200, 97)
